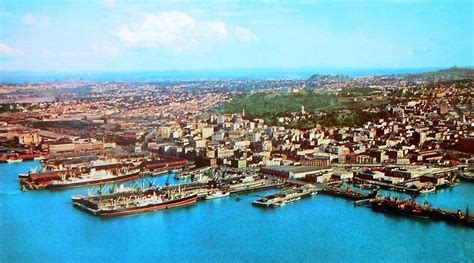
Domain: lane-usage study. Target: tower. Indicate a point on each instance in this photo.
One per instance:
(302, 110)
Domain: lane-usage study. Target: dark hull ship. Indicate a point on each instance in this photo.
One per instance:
(412, 209)
(134, 202)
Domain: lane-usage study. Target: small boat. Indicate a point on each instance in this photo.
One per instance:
(181, 176)
(428, 190)
(14, 160)
(217, 194)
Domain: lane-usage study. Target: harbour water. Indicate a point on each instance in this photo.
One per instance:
(39, 226)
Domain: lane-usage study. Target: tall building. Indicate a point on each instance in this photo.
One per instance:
(207, 132)
(28, 138)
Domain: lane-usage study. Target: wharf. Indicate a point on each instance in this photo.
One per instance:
(347, 194)
(388, 186)
(265, 186)
(287, 196)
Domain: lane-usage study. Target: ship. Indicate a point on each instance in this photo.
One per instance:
(467, 177)
(425, 211)
(20, 157)
(428, 190)
(405, 208)
(217, 194)
(134, 202)
(78, 178)
(13, 160)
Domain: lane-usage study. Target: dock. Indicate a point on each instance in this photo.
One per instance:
(388, 186)
(347, 194)
(286, 196)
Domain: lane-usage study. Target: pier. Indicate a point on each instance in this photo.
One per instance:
(388, 186)
(286, 196)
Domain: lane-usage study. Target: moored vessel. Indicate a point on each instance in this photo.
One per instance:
(217, 194)
(77, 178)
(13, 160)
(134, 202)
(412, 209)
(428, 190)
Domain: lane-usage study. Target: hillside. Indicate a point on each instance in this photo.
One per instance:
(453, 73)
(263, 104)
(329, 78)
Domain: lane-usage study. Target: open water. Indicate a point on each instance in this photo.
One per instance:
(43, 226)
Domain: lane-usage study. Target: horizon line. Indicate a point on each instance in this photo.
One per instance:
(231, 69)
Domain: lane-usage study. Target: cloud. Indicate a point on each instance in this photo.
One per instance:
(178, 32)
(9, 51)
(109, 3)
(244, 35)
(31, 20)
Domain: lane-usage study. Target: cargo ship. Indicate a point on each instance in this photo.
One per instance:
(77, 177)
(405, 208)
(412, 209)
(134, 202)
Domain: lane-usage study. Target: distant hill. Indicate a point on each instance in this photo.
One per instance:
(453, 73)
(328, 78)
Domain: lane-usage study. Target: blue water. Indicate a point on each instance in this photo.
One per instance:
(43, 226)
(23, 77)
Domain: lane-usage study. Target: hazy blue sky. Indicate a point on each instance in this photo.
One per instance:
(162, 35)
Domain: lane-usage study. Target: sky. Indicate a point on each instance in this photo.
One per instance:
(117, 35)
